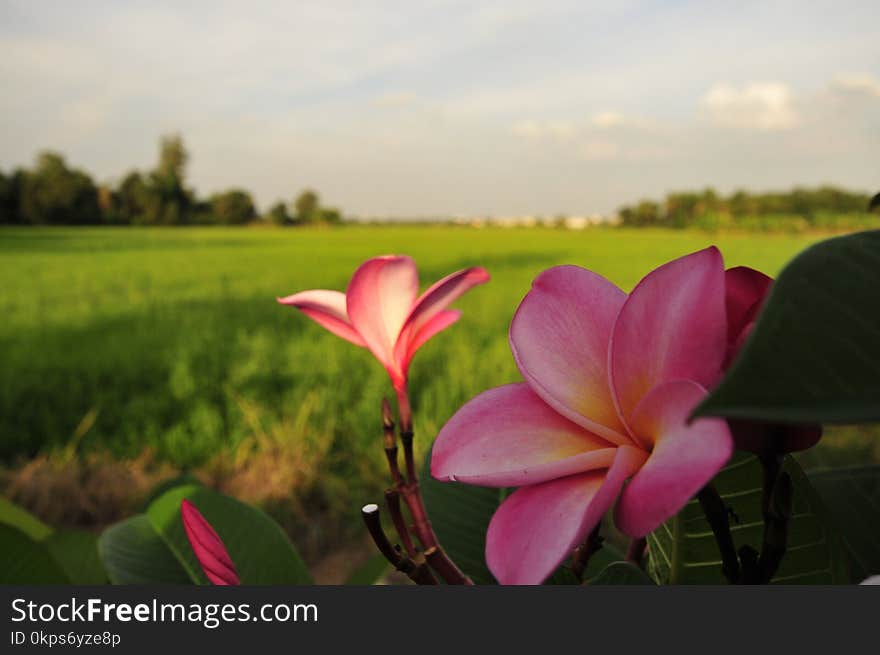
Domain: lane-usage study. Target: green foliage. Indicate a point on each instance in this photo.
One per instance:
(852, 496)
(26, 561)
(621, 573)
(683, 549)
(257, 545)
(460, 515)
(153, 547)
(76, 552)
(814, 354)
(278, 215)
(233, 207)
(307, 206)
(52, 193)
(35, 554)
(797, 210)
(134, 553)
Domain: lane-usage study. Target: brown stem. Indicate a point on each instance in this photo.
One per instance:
(635, 552)
(418, 573)
(389, 437)
(410, 493)
(716, 514)
(392, 500)
(776, 522)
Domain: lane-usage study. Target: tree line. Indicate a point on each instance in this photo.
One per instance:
(825, 206)
(54, 193)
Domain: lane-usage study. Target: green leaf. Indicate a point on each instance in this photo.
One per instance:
(853, 498)
(683, 550)
(13, 515)
(26, 561)
(133, 553)
(622, 573)
(460, 515)
(258, 546)
(814, 354)
(76, 552)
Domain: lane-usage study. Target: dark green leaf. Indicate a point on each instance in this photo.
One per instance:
(26, 561)
(683, 550)
(853, 497)
(169, 484)
(12, 514)
(460, 515)
(814, 354)
(76, 552)
(258, 546)
(132, 553)
(622, 573)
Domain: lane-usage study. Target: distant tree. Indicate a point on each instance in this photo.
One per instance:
(53, 194)
(232, 207)
(329, 215)
(167, 201)
(7, 205)
(874, 205)
(307, 206)
(647, 212)
(279, 215)
(130, 199)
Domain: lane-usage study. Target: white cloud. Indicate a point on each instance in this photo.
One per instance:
(560, 130)
(606, 119)
(757, 106)
(857, 83)
(396, 99)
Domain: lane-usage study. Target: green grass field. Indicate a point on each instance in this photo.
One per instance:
(169, 341)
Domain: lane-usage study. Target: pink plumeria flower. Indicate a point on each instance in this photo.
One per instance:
(383, 311)
(207, 546)
(610, 383)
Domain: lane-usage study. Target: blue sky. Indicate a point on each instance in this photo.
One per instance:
(448, 107)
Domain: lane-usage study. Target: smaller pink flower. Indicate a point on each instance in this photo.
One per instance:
(207, 546)
(383, 311)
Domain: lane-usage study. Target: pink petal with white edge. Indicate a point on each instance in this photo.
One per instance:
(672, 326)
(538, 526)
(379, 299)
(509, 437)
(436, 324)
(746, 289)
(559, 338)
(207, 546)
(685, 457)
(327, 309)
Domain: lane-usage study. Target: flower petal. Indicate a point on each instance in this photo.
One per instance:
(538, 526)
(509, 437)
(672, 326)
(380, 296)
(745, 289)
(436, 324)
(441, 294)
(327, 309)
(207, 546)
(685, 456)
(559, 337)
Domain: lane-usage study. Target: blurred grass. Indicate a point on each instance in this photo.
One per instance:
(169, 342)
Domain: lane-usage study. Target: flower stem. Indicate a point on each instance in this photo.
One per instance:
(635, 552)
(776, 505)
(418, 573)
(408, 489)
(716, 514)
